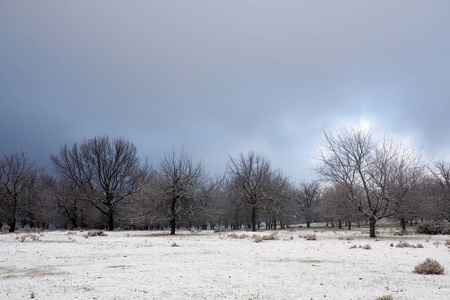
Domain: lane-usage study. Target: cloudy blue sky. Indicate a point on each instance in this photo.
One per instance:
(221, 77)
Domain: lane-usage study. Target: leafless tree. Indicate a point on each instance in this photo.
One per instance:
(332, 205)
(251, 175)
(277, 200)
(105, 171)
(441, 172)
(178, 187)
(16, 175)
(377, 176)
(306, 197)
(70, 201)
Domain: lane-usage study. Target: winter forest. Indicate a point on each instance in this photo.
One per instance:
(101, 183)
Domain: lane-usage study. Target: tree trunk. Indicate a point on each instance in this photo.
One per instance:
(253, 217)
(373, 222)
(173, 220)
(110, 219)
(12, 224)
(340, 224)
(308, 224)
(12, 220)
(349, 225)
(403, 224)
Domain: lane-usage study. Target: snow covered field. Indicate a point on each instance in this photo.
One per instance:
(207, 265)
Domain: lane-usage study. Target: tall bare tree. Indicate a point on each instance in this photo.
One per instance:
(377, 175)
(250, 175)
(16, 176)
(105, 171)
(178, 186)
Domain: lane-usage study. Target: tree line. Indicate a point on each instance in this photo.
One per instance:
(101, 183)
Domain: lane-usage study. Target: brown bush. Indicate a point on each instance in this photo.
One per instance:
(429, 266)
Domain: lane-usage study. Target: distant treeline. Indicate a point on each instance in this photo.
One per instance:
(101, 183)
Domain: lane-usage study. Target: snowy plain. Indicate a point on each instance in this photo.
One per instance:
(221, 265)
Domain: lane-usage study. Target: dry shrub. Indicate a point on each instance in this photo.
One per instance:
(433, 228)
(32, 237)
(270, 237)
(95, 233)
(235, 236)
(258, 239)
(403, 245)
(408, 245)
(5, 229)
(429, 267)
(232, 236)
(367, 247)
(175, 245)
(386, 297)
(310, 237)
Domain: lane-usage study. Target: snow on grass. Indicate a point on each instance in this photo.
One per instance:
(207, 265)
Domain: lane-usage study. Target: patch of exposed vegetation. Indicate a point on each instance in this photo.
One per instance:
(365, 247)
(235, 236)
(386, 297)
(270, 237)
(433, 228)
(93, 233)
(309, 237)
(403, 244)
(429, 267)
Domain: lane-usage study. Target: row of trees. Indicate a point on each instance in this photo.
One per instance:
(102, 183)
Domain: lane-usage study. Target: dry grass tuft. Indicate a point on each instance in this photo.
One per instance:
(93, 233)
(310, 237)
(429, 267)
(387, 297)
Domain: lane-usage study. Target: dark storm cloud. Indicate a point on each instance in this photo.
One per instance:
(223, 77)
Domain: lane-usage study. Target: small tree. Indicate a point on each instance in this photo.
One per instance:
(376, 175)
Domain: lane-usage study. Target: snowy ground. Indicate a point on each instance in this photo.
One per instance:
(207, 265)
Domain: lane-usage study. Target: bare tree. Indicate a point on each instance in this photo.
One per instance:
(251, 175)
(178, 187)
(377, 176)
(277, 201)
(306, 197)
(105, 171)
(332, 205)
(16, 174)
(441, 172)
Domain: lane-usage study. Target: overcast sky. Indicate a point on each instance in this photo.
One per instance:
(221, 77)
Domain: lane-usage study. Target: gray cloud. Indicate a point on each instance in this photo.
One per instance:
(223, 77)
